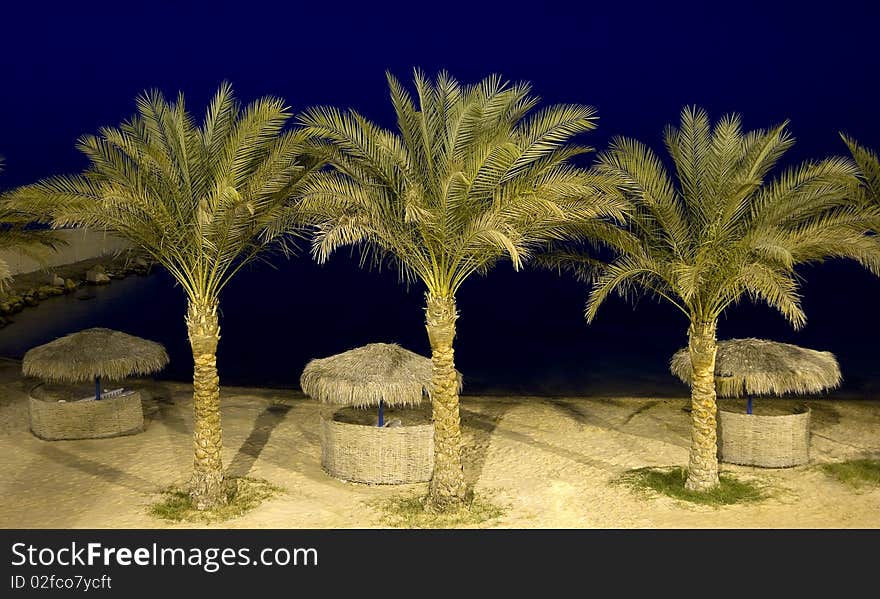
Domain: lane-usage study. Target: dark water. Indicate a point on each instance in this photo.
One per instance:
(518, 332)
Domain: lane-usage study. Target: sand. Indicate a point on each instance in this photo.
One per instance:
(550, 462)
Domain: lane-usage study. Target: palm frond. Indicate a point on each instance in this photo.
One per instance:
(472, 175)
(19, 233)
(203, 199)
(868, 163)
(721, 229)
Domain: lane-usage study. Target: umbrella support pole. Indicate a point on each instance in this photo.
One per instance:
(97, 387)
(749, 404)
(381, 413)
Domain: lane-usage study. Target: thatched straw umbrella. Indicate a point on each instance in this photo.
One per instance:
(93, 354)
(760, 367)
(373, 375)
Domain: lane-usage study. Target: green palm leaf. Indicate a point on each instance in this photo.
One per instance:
(719, 230)
(203, 199)
(471, 176)
(18, 235)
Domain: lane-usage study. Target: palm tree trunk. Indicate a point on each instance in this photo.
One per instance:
(703, 461)
(447, 488)
(206, 487)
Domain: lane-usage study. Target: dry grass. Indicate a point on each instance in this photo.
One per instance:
(97, 352)
(855, 473)
(243, 495)
(762, 367)
(410, 512)
(670, 482)
(366, 375)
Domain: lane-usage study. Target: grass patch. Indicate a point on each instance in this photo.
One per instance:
(410, 512)
(670, 482)
(855, 473)
(242, 494)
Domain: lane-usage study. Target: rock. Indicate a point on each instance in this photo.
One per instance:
(30, 298)
(52, 291)
(138, 266)
(96, 275)
(47, 291)
(69, 285)
(55, 280)
(13, 304)
(4, 322)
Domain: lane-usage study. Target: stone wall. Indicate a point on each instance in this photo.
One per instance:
(82, 244)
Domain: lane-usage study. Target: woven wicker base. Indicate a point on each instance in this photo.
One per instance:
(112, 417)
(369, 454)
(767, 441)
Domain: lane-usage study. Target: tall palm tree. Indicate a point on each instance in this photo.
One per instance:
(472, 175)
(869, 171)
(17, 235)
(202, 200)
(718, 230)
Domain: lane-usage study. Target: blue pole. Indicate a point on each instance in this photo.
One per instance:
(749, 405)
(97, 387)
(381, 413)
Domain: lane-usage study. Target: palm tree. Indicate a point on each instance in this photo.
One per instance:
(869, 170)
(202, 200)
(17, 235)
(722, 231)
(472, 175)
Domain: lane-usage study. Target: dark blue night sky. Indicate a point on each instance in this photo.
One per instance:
(70, 68)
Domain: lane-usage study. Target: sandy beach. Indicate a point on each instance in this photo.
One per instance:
(550, 462)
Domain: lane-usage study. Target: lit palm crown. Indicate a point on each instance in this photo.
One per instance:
(467, 179)
(723, 229)
(202, 200)
(869, 172)
(16, 235)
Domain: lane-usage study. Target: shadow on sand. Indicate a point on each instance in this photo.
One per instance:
(622, 421)
(104, 472)
(481, 426)
(487, 425)
(250, 450)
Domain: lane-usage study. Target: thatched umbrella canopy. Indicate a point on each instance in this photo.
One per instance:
(760, 367)
(371, 375)
(93, 354)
